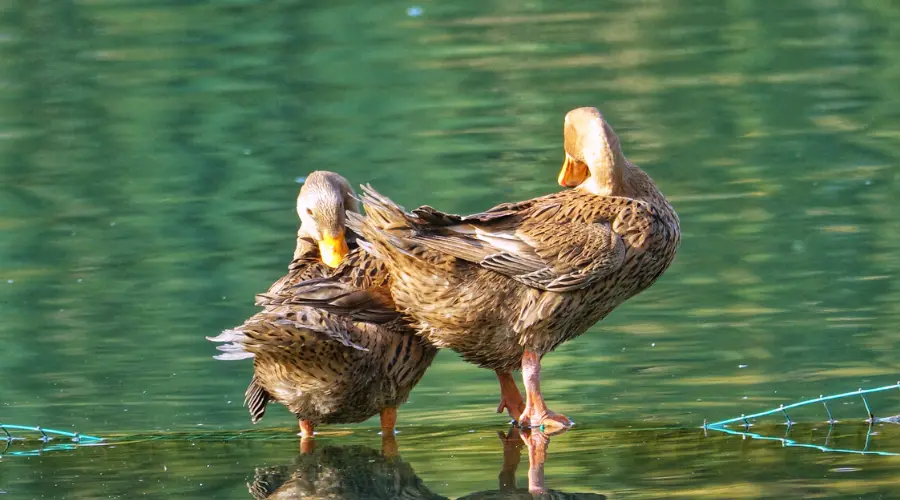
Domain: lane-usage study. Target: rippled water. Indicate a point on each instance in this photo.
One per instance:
(437, 462)
(148, 157)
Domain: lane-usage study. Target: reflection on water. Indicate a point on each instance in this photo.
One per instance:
(459, 463)
(357, 472)
(537, 444)
(346, 472)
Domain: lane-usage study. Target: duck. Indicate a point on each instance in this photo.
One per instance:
(327, 369)
(505, 287)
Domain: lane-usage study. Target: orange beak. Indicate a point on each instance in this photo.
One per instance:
(333, 249)
(573, 172)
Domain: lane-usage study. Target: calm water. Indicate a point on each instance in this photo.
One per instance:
(148, 157)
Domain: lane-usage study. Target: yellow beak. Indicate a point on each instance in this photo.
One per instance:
(333, 249)
(573, 172)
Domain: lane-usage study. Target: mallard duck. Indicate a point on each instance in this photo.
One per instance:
(326, 368)
(507, 286)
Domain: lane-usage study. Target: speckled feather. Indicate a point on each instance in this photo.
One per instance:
(579, 257)
(325, 368)
(527, 275)
(524, 275)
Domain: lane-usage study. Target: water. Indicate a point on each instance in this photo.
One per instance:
(148, 152)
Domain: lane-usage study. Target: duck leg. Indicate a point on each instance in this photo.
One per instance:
(510, 397)
(388, 441)
(307, 428)
(388, 420)
(307, 443)
(536, 413)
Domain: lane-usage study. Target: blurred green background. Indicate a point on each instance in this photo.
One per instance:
(149, 152)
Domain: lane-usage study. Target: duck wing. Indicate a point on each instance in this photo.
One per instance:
(544, 243)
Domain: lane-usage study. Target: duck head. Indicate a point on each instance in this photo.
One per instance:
(594, 160)
(321, 204)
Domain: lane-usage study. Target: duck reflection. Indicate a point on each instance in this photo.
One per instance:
(537, 444)
(359, 472)
(341, 472)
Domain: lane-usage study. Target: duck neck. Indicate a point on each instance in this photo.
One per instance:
(607, 175)
(605, 161)
(605, 183)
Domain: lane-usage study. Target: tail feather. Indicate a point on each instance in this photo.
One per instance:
(286, 328)
(256, 399)
(372, 228)
(234, 349)
(230, 335)
(383, 225)
(383, 214)
(232, 352)
(398, 238)
(356, 222)
(267, 330)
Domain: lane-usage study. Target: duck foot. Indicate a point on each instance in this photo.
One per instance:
(514, 409)
(544, 420)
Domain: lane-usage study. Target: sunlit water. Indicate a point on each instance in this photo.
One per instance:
(148, 157)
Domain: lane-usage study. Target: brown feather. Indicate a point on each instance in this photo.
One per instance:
(327, 368)
(531, 274)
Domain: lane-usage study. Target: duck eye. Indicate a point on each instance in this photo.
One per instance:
(309, 211)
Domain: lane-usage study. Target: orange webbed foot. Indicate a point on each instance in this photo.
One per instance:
(514, 408)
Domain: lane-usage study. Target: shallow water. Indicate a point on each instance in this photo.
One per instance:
(460, 462)
(148, 157)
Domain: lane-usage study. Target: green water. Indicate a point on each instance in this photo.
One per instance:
(148, 157)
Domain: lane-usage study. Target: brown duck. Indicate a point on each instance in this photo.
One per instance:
(506, 286)
(324, 368)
